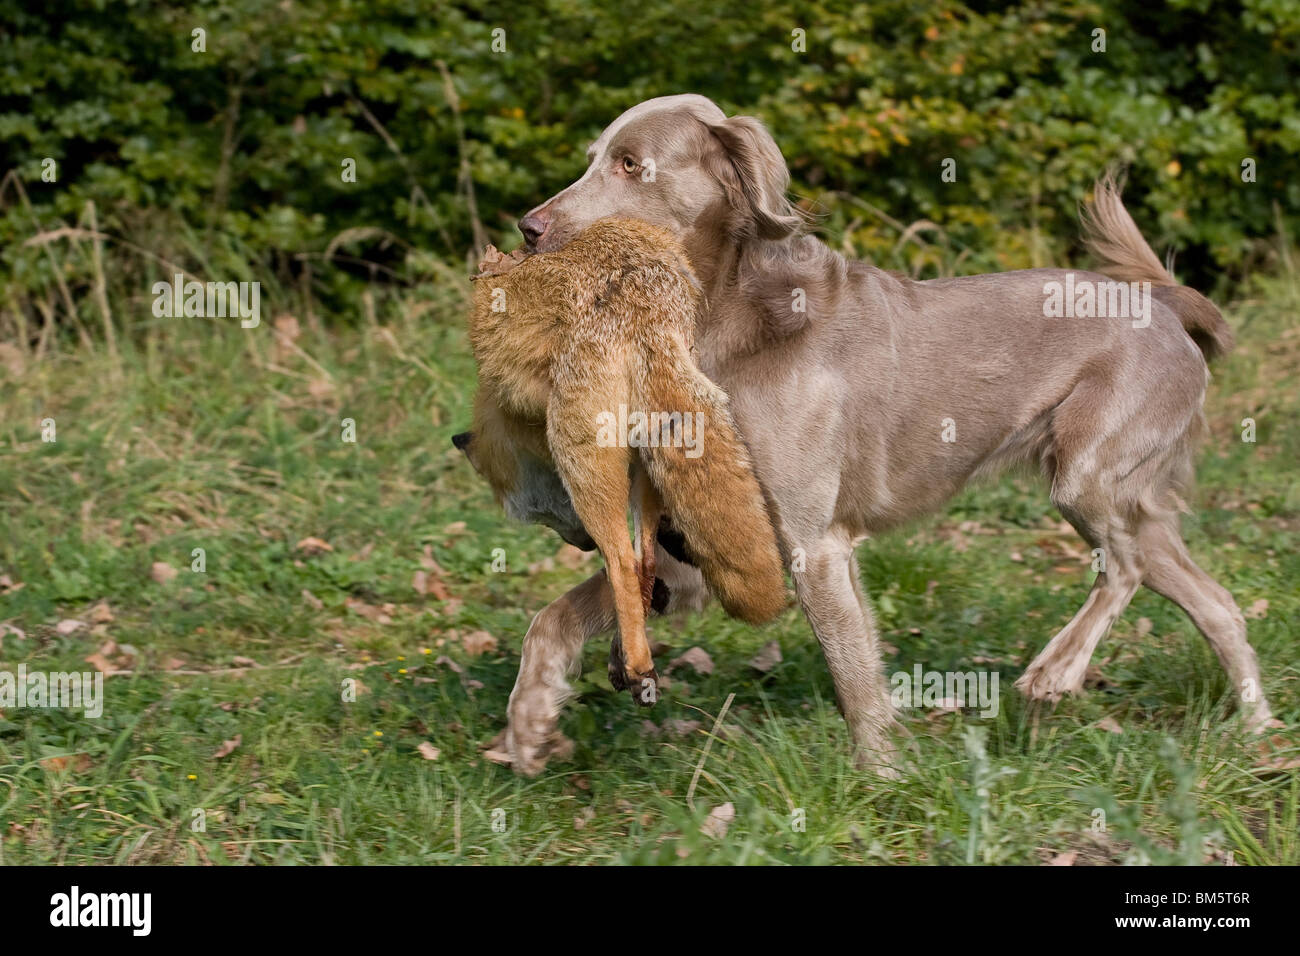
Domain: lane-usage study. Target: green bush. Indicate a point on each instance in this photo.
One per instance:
(233, 155)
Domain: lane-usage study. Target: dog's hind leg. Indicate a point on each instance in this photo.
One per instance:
(552, 650)
(831, 596)
(1060, 667)
(1171, 572)
(1089, 453)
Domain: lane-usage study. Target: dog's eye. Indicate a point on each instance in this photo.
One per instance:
(630, 165)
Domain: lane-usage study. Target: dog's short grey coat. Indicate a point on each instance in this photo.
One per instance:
(844, 406)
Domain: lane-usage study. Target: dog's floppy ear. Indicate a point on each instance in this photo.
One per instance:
(753, 172)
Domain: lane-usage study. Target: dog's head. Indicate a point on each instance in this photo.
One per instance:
(680, 163)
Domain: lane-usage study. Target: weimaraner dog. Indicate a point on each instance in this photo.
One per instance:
(868, 399)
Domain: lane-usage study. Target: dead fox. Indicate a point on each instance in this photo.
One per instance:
(574, 347)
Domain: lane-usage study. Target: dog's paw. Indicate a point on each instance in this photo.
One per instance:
(1049, 684)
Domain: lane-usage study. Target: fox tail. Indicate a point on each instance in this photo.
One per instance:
(708, 487)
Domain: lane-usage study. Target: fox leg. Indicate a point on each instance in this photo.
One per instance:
(647, 509)
(597, 481)
(646, 512)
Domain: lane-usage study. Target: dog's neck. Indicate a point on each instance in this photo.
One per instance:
(761, 292)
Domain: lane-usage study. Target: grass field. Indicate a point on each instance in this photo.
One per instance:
(224, 692)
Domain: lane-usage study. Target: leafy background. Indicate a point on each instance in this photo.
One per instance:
(220, 159)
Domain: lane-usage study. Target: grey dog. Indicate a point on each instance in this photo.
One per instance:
(868, 399)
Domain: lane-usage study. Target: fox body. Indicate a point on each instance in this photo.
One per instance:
(567, 342)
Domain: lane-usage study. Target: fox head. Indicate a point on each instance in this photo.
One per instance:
(527, 487)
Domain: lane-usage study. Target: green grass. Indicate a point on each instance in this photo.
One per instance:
(202, 436)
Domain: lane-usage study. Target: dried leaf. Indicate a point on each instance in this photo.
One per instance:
(718, 820)
(228, 747)
(99, 662)
(313, 546)
(697, 658)
(101, 613)
(428, 751)
(767, 658)
(1278, 753)
(69, 626)
(1111, 724)
(1064, 859)
(162, 572)
(1258, 609)
(448, 662)
(478, 642)
(496, 263)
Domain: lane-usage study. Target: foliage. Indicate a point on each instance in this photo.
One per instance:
(212, 158)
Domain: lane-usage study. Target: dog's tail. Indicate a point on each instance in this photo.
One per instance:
(1115, 240)
(704, 476)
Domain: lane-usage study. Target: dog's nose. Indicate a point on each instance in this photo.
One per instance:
(462, 440)
(532, 226)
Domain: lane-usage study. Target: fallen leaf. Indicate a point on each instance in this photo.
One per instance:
(101, 613)
(312, 600)
(313, 546)
(697, 658)
(495, 262)
(1143, 626)
(1278, 753)
(447, 661)
(162, 572)
(1064, 859)
(99, 662)
(79, 763)
(478, 642)
(240, 661)
(1258, 609)
(767, 658)
(228, 747)
(1111, 724)
(69, 626)
(718, 820)
(432, 582)
(368, 611)
(428, 751)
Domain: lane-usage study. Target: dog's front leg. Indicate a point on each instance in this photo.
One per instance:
(831, 596)
(552, 650)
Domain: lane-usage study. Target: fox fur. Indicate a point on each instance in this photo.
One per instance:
(562, 340)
